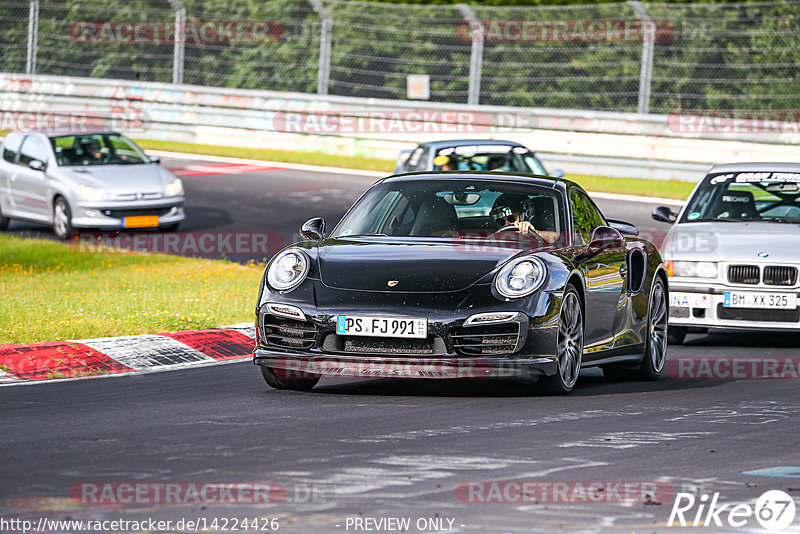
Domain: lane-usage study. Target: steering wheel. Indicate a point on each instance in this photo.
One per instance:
(510, 227)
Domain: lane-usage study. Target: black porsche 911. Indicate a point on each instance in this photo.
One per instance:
(464, 275)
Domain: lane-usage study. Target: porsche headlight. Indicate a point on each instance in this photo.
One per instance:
(692, 269)
(174, 188)
(92, 193)
(520, 277)
(288, 269)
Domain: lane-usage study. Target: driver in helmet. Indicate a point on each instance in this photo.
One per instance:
(508, 210)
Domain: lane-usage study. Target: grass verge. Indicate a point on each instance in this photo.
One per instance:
(630, 186)
(51, 291)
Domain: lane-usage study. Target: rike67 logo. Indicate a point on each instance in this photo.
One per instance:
(774, 510)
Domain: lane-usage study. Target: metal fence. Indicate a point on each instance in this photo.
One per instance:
(627, 56)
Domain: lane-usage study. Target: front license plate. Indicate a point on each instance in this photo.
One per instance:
(358, 325)
(746, 299)
(144, 221)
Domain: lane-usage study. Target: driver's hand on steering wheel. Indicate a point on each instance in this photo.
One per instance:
(524, 227)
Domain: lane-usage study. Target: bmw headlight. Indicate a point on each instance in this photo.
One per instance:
(92, 193)
(174, 188)
(520, 277)
(692, 269)
(288, 269)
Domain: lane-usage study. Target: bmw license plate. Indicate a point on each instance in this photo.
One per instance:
(358, 325)
(145, 221)
(747, 299)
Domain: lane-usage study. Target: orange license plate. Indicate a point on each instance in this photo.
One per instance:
(147, 221)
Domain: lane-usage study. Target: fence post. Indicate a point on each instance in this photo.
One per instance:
(180, 41)
(33, 36)
(476, 54)
(325, 43)
(648, 42)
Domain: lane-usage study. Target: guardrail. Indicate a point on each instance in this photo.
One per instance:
(584, 142)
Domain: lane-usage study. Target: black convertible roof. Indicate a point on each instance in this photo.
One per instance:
(517, 177)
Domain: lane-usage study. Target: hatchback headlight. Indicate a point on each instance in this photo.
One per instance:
(520, 277)
(692, 269)
(288, 269)
(174, 188)
(92, 193)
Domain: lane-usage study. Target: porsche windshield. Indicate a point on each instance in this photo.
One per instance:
(454, 208)
(96, 149)
(746, 196)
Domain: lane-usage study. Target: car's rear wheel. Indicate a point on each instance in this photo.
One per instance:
(570, 345)
(655, 344)
(62, 219)
(3, 220)
(297, 384)
(676, 335)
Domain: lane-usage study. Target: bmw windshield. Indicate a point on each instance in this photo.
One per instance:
(746, 196)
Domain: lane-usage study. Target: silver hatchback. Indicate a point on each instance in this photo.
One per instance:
(74, 180)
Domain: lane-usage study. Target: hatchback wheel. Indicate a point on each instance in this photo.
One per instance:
(62, 219)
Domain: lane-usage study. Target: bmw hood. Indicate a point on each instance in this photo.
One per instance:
(418, 266)
(734, 241)
(122, 179)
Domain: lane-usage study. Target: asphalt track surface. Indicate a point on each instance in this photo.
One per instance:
(378, 449)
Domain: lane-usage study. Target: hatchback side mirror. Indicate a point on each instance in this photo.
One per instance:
(664, 214)
(36, 165)
(155, 159)
(313, 229)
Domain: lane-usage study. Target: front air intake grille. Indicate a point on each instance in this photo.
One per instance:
(119, 214)
(387, 345)
(744, 274)
(758, 314)
(780, 275)
(486, 339)
(288, 333)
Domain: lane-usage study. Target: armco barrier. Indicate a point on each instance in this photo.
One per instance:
(585, 142)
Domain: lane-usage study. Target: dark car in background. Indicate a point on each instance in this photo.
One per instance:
(471, 155)
(434, 275)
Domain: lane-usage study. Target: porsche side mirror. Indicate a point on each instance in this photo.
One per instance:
(625, 228)
(313, 229)
(155, 159)
(664, 214)
(36, 165)
(605, 237)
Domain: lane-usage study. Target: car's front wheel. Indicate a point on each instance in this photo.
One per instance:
(62, 219)
(298, 384)
(570, 345)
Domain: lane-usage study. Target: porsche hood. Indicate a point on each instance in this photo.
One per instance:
(433, 266)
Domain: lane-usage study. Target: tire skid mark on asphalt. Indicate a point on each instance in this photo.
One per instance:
(499, 425)
(746, 413)
(629, 440)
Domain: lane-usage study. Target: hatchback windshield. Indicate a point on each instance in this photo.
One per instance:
(97, 149)
(746, 196)
(453, 208)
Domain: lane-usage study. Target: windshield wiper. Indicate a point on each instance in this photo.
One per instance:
(365, 235)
